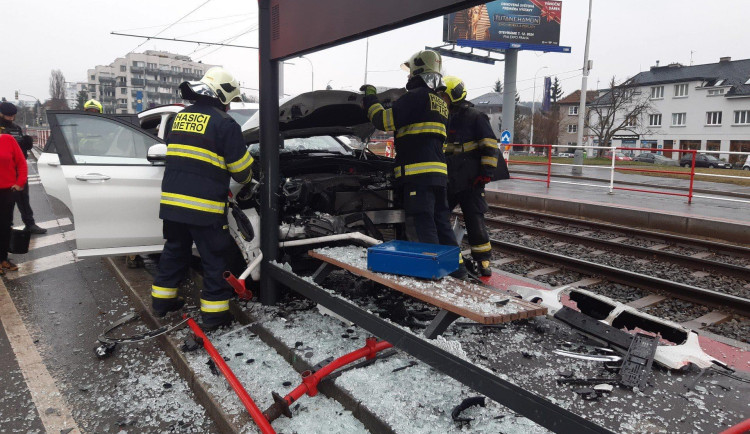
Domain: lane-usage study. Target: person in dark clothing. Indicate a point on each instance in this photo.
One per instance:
(13, 172)
(7, 126)
(205, 149)
(418, 120)
(473, 159)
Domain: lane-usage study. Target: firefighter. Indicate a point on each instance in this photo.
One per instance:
(418, 120)
(205, 149)
(473, 159)
(93, 106)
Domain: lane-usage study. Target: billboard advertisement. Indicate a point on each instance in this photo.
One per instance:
(515, 21)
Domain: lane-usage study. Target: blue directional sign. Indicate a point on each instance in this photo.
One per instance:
(505, 138)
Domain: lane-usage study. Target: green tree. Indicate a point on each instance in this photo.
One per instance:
(81, 99)
(556, 91)
(498, 87)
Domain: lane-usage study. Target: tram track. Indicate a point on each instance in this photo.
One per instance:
(697, 282)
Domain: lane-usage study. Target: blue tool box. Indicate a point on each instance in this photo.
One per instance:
(428, 261)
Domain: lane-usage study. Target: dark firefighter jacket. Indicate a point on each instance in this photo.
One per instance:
(204, 149)
(471, 149)
(418, 119)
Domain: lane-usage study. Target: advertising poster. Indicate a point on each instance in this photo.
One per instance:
(518, 21)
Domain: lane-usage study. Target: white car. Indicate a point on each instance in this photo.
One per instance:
(107, 170)
(746, 166)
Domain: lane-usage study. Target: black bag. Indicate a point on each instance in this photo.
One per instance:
(19, 241)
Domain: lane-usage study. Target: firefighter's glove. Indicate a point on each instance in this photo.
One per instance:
(481, 180)
(368, 89)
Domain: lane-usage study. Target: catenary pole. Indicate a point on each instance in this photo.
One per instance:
(578, 160)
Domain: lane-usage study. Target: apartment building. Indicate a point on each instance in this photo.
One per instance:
(142, 80)
(700, 107)
(568, 111)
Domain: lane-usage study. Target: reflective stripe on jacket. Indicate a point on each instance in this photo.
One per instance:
(205, 149)
(418, 120)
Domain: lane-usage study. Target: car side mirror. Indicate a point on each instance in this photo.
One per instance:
(157, 153)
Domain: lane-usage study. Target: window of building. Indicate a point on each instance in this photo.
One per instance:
(713, 118)
(654, 120)
(719, 82)
(151, 65)
(198, 72)
(572, 128)
(176, 69)
(742, 117)
(139, 64)
(631, 121)
(657, 92)
(93, 77)
(123, 91)
(679, 119)
(122, 68)
(573, 110)
(680, 90)
(713, 145)
(713, 92)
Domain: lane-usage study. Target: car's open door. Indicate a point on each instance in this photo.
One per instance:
(113, 189)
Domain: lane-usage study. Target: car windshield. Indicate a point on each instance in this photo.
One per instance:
(711, 157)
(241, 115)
(307, 145)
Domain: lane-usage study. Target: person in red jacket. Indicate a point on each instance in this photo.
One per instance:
(13, 172)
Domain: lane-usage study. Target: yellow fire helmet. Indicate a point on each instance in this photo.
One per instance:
(92, 104)
(217, 83)
(455, 88)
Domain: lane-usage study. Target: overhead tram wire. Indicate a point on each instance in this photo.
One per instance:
(188, 41)
(170, 26)
(249, 14)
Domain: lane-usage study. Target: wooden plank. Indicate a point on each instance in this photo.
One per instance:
(440, 298)
(711, 318)
(646, 301)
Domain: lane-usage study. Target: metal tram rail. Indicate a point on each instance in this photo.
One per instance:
(679, 240)
(694, 294)
(723, 268)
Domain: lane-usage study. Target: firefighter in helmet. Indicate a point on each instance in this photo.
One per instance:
(473, 159)
(418, 120)
(205, 149)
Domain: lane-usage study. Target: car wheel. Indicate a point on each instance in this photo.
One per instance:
(686, 165)
(746, 168)
(711, 166)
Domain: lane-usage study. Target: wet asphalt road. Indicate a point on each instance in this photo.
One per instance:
(64, 305)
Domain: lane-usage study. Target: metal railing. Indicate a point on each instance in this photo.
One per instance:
(612, 167)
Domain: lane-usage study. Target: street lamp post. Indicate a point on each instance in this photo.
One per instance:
(533, 106)
(577, 168)
(36, 120)
(312, 73)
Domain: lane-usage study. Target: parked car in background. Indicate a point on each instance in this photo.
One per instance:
(648, 157)
(566, 155)
(704, 160)
(619, 156)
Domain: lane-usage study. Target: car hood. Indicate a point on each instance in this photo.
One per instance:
(323, 112)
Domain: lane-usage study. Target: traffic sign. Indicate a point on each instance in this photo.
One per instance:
(505, 137)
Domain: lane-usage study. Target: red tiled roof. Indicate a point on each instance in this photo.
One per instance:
(575, 97)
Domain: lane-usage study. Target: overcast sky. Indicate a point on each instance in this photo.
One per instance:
(628, 36)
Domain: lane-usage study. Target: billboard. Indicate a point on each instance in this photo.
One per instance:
(513, 21)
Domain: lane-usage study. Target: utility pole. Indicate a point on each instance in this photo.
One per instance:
(509, 92)
(367, 56)
(533, 107)
(578, 158)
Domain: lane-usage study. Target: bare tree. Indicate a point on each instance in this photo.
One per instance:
(546, 127)
(623, 108)
(57, 99)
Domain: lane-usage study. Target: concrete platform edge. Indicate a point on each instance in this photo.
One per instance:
(677, 224)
